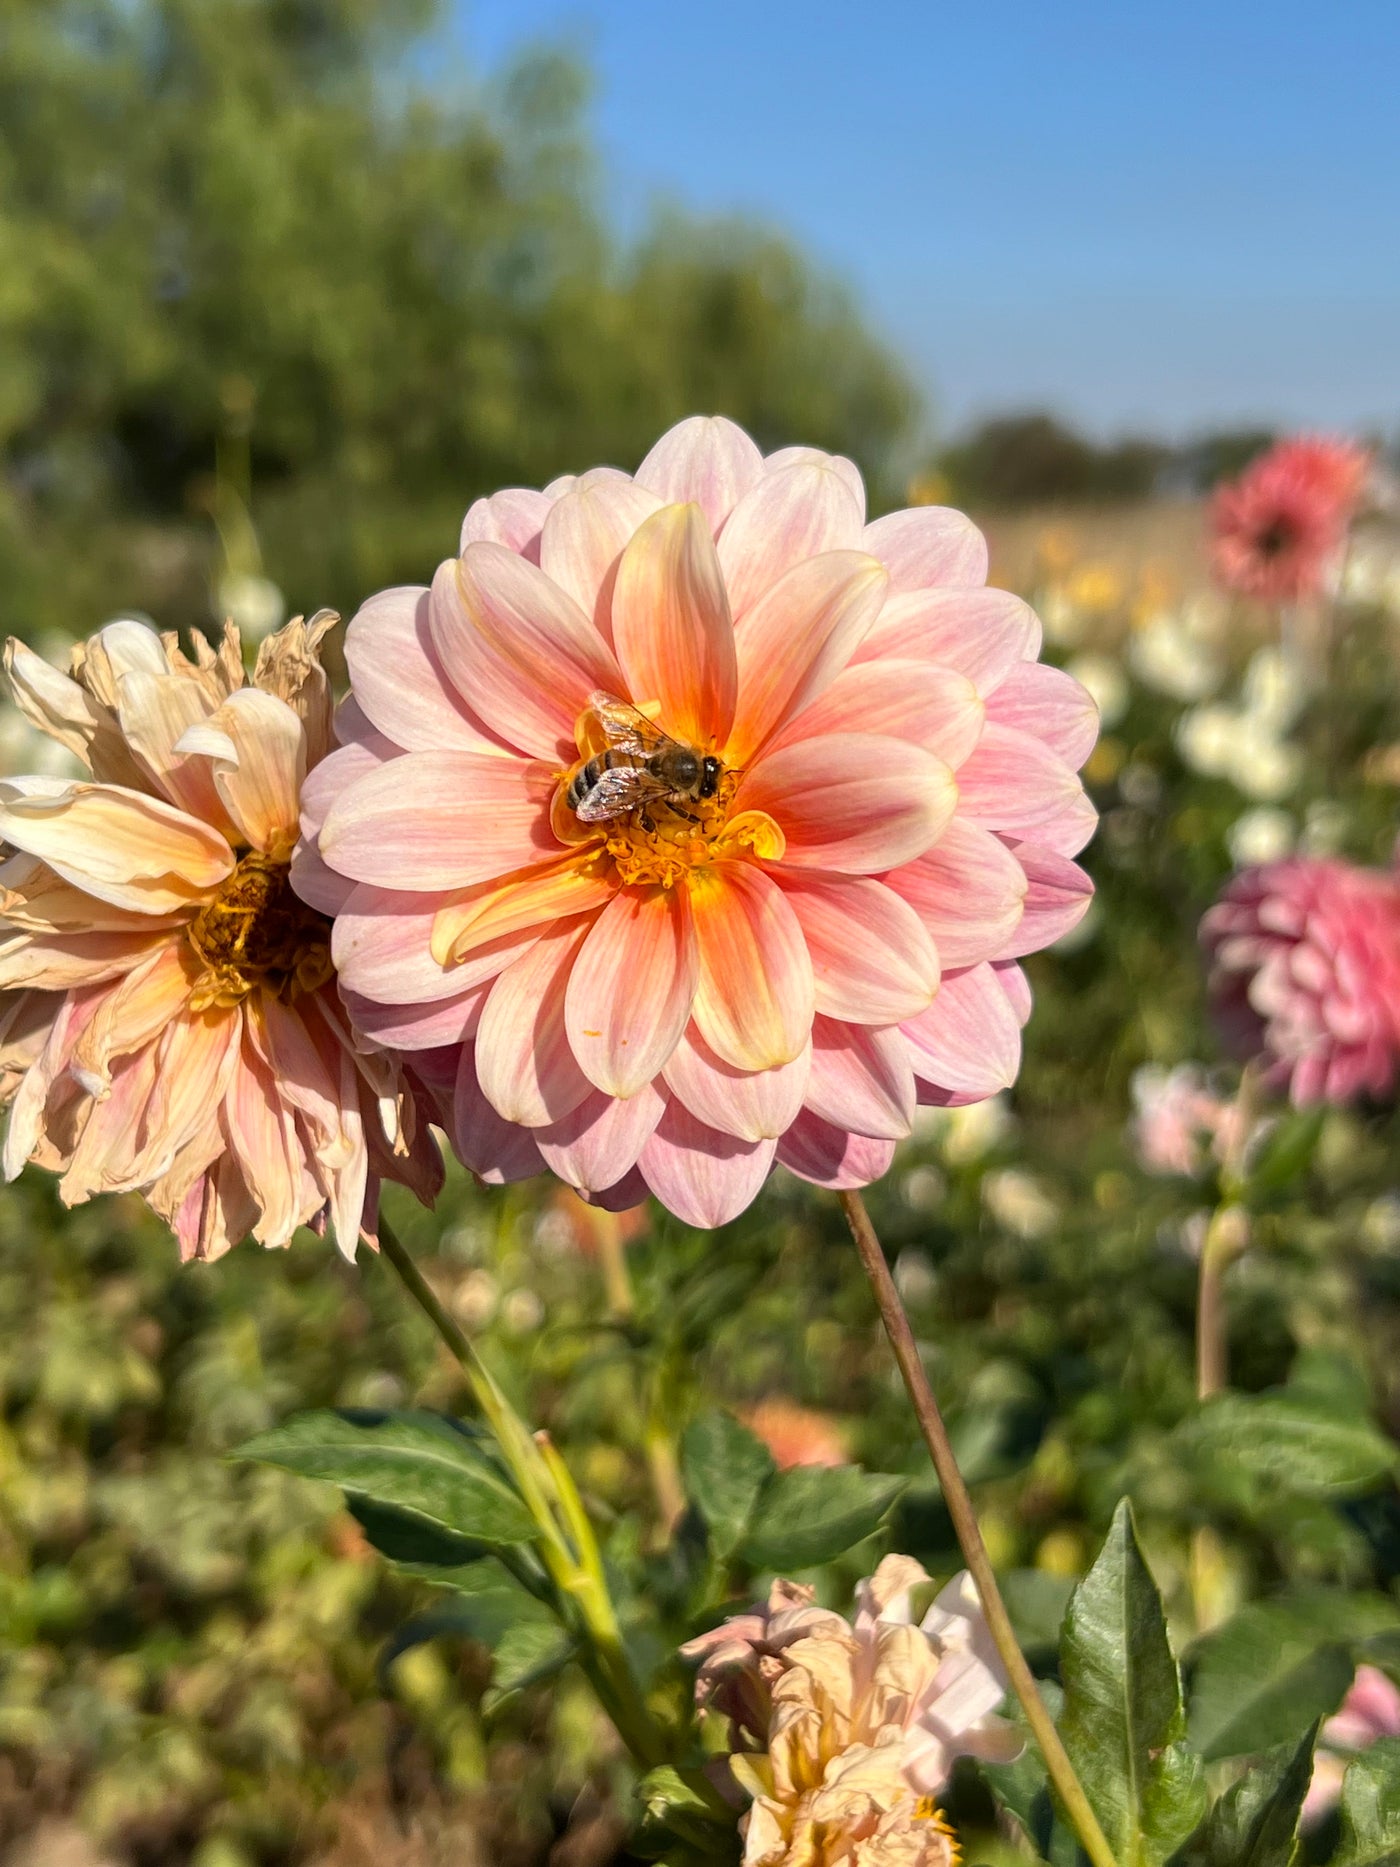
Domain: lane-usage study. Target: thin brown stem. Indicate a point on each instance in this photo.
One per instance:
(959, 1504)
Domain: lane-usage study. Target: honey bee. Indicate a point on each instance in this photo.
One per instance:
(640, 767)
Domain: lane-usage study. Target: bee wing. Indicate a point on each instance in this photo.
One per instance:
(617, 791)
(627, 728)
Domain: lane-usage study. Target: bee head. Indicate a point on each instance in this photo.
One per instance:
(710, 770)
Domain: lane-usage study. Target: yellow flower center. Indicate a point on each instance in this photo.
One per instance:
(258, 931)
(660, 842)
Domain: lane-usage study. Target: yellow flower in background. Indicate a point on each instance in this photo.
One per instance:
(169, 1019)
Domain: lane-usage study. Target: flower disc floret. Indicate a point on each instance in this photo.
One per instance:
(677, 995)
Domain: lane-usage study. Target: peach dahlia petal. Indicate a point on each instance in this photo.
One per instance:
(194, 1047)
(773, 799)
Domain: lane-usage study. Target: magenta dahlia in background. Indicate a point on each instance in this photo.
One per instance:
(1280, 528)
(1305, 976)
(692, 823)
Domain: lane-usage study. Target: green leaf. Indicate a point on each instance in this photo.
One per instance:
(1276, 1666)
(682, 1821)
(816, 1512)
(1036, 1602)
(525, 1654)
(408, 1539)
(1286, 1154)
(1023, 1789)
(1255, 1823)
(1123, 1720)
(724, 1467)
(1371, 1808)
(416, 1463)
(1289, 1441)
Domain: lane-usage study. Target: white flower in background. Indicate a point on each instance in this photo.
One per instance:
(966, 1134)
(1265, 767)
(1205, 739)
(1020, 1203)
(1276, 688)
(1325, 829)
(1174, 652)
(1371, 575)
(1106, 683)
(1061, 618)
(1263, 834)
(255, 604)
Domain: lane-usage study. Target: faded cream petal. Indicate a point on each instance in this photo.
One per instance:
(257, 747)
(132, 851)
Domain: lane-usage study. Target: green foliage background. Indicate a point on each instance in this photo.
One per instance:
(278, 292)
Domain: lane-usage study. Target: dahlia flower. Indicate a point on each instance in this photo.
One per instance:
(170, 1018)
(842, 1734)
(707, 819)
(1305, 975)
(1280, 527)
(1369, 1712)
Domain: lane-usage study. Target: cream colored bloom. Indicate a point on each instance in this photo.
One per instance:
(842, 1734)
(169, 1020)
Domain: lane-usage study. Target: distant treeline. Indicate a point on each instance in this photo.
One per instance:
(1033, 458)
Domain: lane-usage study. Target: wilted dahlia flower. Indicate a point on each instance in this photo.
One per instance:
(709, 819)
(1305, 975)
(169, 1020)
(842, 1735)
(1280, 527)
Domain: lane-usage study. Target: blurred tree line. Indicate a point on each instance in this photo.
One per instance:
(276, 250)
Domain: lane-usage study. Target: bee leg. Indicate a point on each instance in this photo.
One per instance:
(647, 823)
(689, 816)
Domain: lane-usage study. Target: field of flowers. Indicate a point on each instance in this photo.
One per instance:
(1139, 1272)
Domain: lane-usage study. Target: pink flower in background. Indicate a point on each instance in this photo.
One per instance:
(839, 1732)
(1180, 1121)
(1305, 975)
(796, 1435)
(1278, 530)
(1370, 1711)
(169, 1020)
(706, 818)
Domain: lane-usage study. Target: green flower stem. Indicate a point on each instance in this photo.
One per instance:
(959, 1505)
(568, 1546)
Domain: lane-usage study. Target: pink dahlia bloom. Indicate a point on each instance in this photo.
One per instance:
(169, 1018)
(841, 1733)
(1369, 1712)
(774, 952)
(1278, 530)
(1181, 1122)
(1305, 975)
(796, 1435)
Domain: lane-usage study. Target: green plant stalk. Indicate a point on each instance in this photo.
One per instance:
(959, 1504)
(547, 1488)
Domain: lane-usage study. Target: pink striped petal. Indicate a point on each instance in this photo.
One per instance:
(552, 891)
(980, 633)
(630, 1191)
(672, 626)
(856, 802)
(862, 1079)
(872, 959)
(754, 999)
(382, 947)
(318, 884)
(598, 1143)
(969, 1039)
(755, 1105)
(497, 1151)
(523, 1060)
(931, 706)
(706, 461)
(831, 1157)
(1051, 706)
(584, 537)
(796, 513)
(324, 782)
(1014, 784)
(399, 680)
(440, 820)
(1017, 987)
(1069, 828)
(813, 456)
(969, 891)
(631, 988)
(514, 518)
(797, 638)
(704, 1177)
(521, 647)
(441, 1022)
(262, 1135)
(1057, 899)
(928, 546)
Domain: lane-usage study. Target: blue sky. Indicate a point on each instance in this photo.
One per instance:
(1161, 215)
